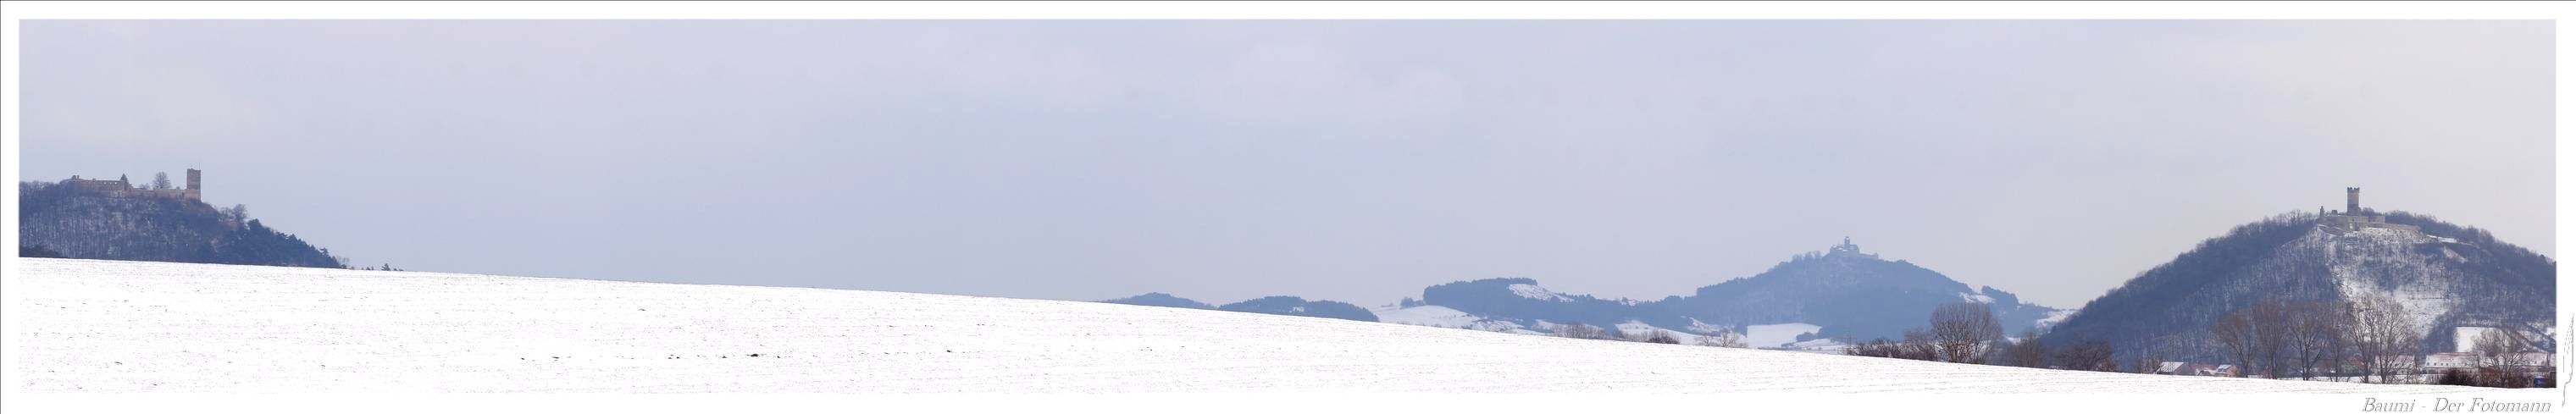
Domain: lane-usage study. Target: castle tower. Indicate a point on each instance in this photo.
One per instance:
(2352, 201)
(195, 192)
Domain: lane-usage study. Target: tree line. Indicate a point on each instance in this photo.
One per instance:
(2370, 338)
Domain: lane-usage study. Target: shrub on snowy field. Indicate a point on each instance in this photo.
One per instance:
(1721, 338)
(2088, 356)
(1579, 330)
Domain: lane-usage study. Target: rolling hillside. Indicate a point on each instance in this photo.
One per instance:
(2440, 275)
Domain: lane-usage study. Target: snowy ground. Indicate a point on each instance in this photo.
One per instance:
(1440, 316)
(89, 326)
(1775, 335)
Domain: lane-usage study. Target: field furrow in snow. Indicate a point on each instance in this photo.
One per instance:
(134, 326)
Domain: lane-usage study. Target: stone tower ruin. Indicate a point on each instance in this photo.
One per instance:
(2353, 219)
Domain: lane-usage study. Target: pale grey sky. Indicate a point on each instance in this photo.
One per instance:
(1355, 161)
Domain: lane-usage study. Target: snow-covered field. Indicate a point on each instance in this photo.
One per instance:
(105, 326)
(1775, 335)
(1440, 316)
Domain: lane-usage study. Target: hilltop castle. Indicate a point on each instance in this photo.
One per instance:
(1850, 249)
(2354, 218)
(122, 188)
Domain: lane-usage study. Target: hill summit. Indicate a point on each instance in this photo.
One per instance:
(1841, 293)
(119, 220)
(2439, 276)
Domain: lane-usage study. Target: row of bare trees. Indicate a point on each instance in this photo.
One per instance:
(1717, 338)
(1968, 333)
(2028, 351)
(2280, 338)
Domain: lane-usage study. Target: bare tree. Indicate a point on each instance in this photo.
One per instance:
(2153, 352)
(1962, 332)
(2028, 352)
(2313, 334)
(161, 181)
(1579, 330)
(1876, 348)
(2271, 342)
(2235, 334)
(2088, 356)
(2255, 336)
(1723, 338)
(2494, 349)
(1918, 345)
(2383, 336)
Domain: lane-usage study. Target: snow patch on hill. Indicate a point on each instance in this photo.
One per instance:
(2374, 263)
(1534, 292)
(2053, 318)
(1433, 315)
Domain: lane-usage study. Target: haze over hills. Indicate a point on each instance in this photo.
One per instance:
(2441, 275)
(1843, 294)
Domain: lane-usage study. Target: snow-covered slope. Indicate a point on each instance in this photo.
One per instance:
(137, 326)
(2376, 264)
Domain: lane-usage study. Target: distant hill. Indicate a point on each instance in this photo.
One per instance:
(1852, 296)
(1295, 306)
(1523, 303)
(1840, 294)
(101, 219)
(1163, 300)
(1275, 305)
(2445, 275)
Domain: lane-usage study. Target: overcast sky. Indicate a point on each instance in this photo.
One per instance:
(1353, 161)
